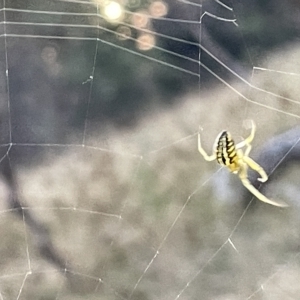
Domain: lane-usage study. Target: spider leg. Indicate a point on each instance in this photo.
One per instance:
(256, 167)
(247, 184)
(248, 140)
(203, 152)
(248, 149)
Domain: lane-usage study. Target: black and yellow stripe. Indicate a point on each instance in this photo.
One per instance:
(225, 149)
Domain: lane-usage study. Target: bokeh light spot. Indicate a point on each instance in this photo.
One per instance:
(123, 32)
(113, 11)
(158, 9)
(145, 42)
(140, 19)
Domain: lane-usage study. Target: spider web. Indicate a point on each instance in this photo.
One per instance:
(136, 213)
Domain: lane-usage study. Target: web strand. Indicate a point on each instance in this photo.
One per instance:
(102, 249)
(168, 233)
(98, 27)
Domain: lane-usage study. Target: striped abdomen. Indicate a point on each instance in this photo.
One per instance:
(225, 149)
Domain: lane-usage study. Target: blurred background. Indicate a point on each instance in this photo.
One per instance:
(104, 193)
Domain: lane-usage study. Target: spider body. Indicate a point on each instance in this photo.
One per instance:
(226, 153)
(231, 155)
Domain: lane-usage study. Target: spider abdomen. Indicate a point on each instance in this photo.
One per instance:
(225, 149)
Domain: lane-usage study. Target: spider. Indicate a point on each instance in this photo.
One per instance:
(237, 161)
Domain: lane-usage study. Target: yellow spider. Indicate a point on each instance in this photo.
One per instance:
(232, 156)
